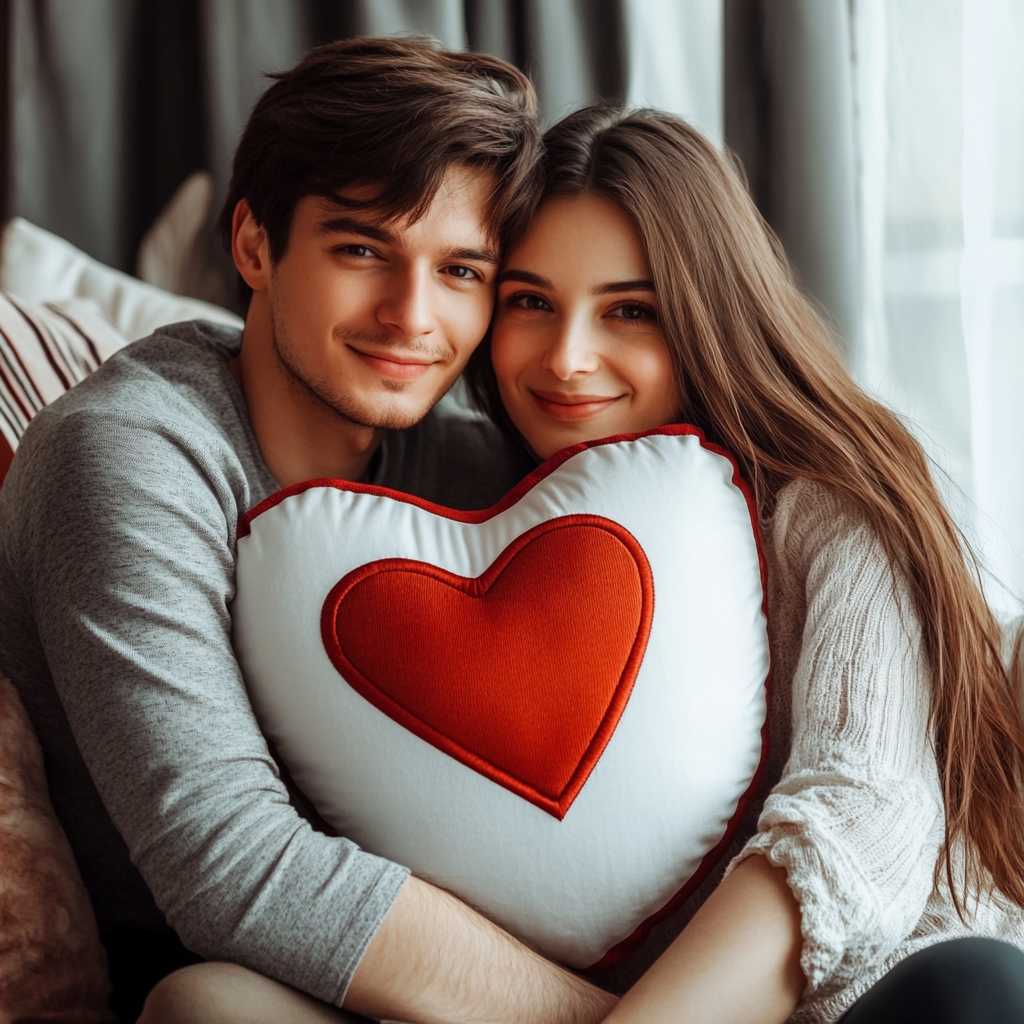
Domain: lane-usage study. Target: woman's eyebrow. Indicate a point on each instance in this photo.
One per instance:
(623, 286)
(525, 277)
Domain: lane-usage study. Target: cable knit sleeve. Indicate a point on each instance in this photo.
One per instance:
(856, 818)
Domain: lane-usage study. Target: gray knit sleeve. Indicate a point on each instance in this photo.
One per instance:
(124, 548)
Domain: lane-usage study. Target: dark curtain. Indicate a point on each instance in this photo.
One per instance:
(110, 104)
(789, 117)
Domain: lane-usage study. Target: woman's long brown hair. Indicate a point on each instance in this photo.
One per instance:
(759, 372)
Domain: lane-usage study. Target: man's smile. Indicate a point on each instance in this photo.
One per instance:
(395, 365)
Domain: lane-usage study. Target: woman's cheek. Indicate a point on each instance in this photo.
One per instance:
(654, 379)
(507, 356)
(511, 357)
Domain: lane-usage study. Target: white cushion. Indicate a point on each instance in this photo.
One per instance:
(38, 267)
(467, 711)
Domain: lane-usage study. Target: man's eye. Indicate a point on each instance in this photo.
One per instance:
(359, 251)
(528, 300)
(634, 311)
(462, 273)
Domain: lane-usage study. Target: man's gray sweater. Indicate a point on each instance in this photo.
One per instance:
(117, 540)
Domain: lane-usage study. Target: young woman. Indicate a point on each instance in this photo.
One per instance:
(647, 289)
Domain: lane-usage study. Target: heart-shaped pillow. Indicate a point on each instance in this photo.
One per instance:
(553, 708)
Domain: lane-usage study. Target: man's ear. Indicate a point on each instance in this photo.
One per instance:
(250, 248)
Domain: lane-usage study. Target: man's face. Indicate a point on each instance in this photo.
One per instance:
(374, 319)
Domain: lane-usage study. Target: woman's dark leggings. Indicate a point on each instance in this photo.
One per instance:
(963, 981)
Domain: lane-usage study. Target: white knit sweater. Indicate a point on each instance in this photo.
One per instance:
(851, 804)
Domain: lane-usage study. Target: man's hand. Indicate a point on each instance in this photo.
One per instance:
(436, 961)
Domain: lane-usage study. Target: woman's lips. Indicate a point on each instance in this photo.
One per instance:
(396, 369)
(572, 408)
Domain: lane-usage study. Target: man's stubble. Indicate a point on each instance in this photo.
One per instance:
(325, 393)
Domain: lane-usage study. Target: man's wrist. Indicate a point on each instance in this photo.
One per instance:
(578, 1001)
(437, 961)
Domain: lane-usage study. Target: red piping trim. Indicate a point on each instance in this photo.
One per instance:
(633, 942)
(555, 804)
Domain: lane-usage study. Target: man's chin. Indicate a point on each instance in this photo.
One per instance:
(395, 420)
(379, 409)
(386, 415)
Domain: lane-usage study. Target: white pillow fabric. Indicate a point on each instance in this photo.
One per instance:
(171, 253)
(38, 266)
(553, 708)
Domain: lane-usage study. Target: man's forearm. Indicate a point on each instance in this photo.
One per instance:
(436, 961)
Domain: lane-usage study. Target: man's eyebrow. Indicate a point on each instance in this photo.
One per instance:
(351, 226)
(477, 255)
(623, 286)
(524, 276)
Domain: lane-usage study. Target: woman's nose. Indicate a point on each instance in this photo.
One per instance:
(572, 350)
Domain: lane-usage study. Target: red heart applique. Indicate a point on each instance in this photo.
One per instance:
(522, 673)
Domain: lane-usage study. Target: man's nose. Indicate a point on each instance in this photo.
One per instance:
(410, 309)
(572, 350)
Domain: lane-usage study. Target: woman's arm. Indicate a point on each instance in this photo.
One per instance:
(736, 962)
(849, 835)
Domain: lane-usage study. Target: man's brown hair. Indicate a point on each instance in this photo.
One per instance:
(394, 114)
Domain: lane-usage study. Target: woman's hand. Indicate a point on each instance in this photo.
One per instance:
(736, 962)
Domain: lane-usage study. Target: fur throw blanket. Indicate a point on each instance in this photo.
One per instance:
(52, 966)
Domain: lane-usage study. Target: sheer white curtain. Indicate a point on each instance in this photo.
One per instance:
(674, 59)
(938, 98)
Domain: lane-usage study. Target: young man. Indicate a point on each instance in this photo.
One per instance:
(369, 194)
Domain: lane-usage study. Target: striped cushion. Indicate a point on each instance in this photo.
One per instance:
(44, 350)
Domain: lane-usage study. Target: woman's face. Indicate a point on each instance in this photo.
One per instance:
(576, 345)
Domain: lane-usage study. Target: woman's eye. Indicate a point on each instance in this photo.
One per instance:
(528, 300)
(634, 311)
